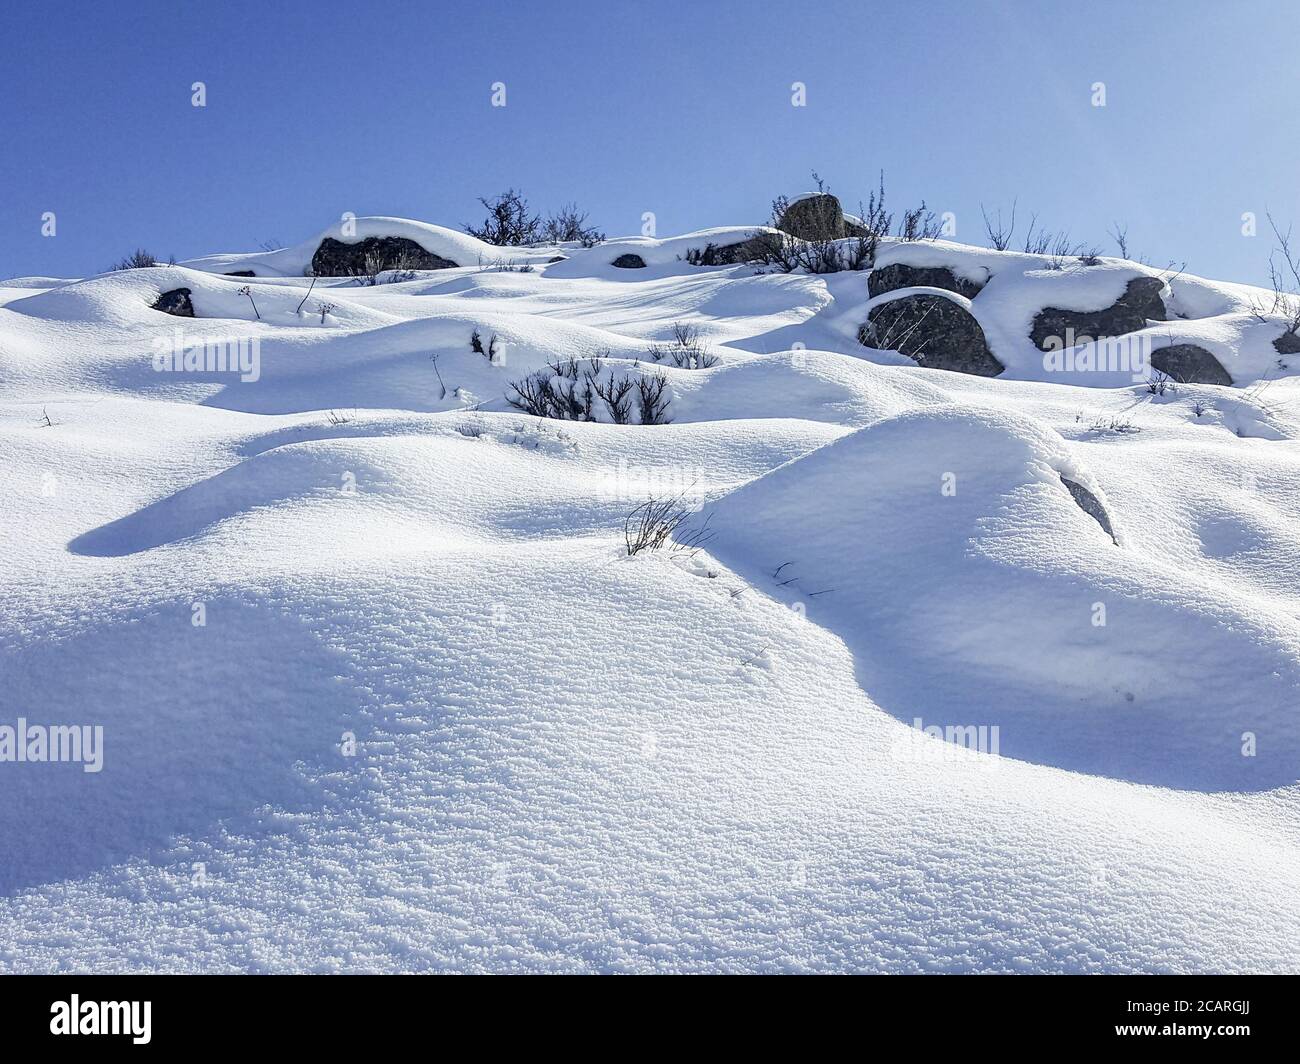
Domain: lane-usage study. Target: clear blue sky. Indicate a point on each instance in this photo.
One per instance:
(678, 108)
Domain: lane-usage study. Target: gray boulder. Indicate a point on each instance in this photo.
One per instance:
(629, 262)
(1090, 504)
(818, 217)
(176, 302)
(1139, 304)
(336, 259)
(1190, 364)
(933, 331)
(900, 275)
(1287, 344)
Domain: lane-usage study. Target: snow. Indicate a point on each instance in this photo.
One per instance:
(571, 760)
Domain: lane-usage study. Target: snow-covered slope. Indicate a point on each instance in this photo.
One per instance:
(381, 689)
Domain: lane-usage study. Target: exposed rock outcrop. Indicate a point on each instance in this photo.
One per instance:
(900, 275)
(933, 331)
(1287, 344)
(1139, 304)
(176, 302)
(1190, 364)
(1090, 504)
(336, 259)
(817, 217)
(629, 262)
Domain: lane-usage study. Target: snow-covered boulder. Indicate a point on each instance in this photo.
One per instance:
(818, 216)
(933, 329)
(176, 302)
(1139, 304)
(335, 258)
(896, 275)
(1190, 364)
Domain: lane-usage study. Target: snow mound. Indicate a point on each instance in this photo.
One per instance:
(944, 548)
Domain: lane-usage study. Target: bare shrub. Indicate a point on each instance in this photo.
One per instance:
(509, 221)
(1119, 234)
(476, 345)
(1284, 278)
(687, 350)
(999, 232)
(651, 525)
(653, 399)
(139, 259)
(569, 224)
(616, 394)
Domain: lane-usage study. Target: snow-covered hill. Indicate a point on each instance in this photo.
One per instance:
(381, 688)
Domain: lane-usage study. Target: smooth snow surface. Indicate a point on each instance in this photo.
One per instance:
(567, 759)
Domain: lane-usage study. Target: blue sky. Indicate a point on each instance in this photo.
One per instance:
(683, 109)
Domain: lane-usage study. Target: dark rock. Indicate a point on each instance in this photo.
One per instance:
(1139, 304)
(818, 217)
(239, 273)
(900, 275)
(1287, 344)
(336, 259)
(176, 302)
(1190, 364)
(629, 262)
(751, 250)
(557, 258)
(1090, 504)
(933, 331)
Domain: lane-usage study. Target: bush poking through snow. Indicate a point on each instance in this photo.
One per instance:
(509, 221)
(616, 394)
(998, 231)
(377, 262)
(686, 351)
(489, 352)
(139, 259)
(570, 224)
(651, 525)
(659, 523)
(1159, 383)
(568, 392)
(1284, 276)
(653, 399)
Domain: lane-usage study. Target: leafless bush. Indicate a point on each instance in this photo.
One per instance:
(1159, 383)
(139, 259)
(687, 350)
(375, 263)
(999, 232)
(919, 223)
(1119, 234)
(1284, 278)
(569, 223)
(1120, 425)
(337, 418)
(476, 345)
(509, 221)
(651, 525)
(653, 399)
(616, 394)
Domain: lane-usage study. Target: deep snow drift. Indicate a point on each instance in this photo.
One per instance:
(381, 689)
